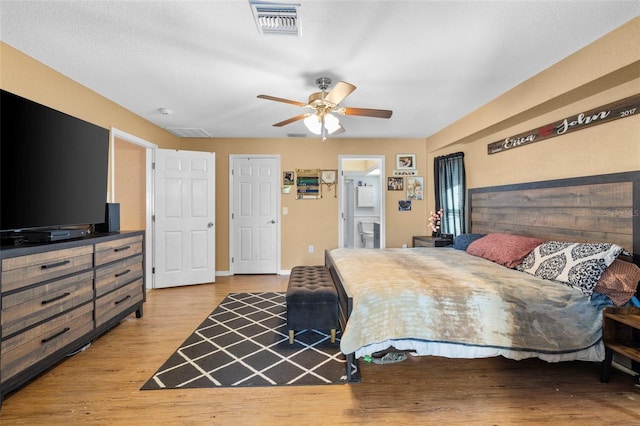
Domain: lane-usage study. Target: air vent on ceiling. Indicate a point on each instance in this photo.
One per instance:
(189, 132)
(277, 18)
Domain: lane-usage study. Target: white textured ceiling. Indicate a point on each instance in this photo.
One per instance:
(431, 62)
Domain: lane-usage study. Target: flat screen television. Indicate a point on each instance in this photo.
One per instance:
(54, 168)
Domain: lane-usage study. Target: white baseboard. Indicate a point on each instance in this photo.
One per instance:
(228, 273)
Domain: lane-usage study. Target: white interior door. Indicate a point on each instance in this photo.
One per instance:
(185, 218)
(254, 214)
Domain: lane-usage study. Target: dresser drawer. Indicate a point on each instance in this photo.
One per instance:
(25, 349)
(110, 251)
(112, 304)
(23, 271)
(116, 274)
(25, 308)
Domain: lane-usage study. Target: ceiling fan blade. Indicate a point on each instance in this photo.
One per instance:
(366, 112)
(292, 119)
(286, 101)
(340, 91)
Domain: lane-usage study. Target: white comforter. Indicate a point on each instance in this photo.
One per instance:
(442, 301)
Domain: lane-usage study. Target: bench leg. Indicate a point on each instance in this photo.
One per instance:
(291, 334)
(333, 335)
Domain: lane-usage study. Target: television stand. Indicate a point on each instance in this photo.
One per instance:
(51, 235)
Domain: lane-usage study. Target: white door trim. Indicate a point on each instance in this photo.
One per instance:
(150, 155)
(342, 200)
(232, 158)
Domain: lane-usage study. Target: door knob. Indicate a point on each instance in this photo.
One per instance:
(273, 221)
(210, 225)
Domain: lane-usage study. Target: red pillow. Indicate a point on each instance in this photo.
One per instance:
(505, 249)
(619, 281)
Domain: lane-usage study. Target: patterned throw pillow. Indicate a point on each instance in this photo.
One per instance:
(579, 265)
(619, 281)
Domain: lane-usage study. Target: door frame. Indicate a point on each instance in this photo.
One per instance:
(150, 155)
(232, 195)
(342, 198)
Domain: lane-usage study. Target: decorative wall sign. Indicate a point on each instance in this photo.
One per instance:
(405, 172)
(308, 184)
(621, 109)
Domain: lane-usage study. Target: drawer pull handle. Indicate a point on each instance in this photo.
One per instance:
(122, 248)
(60, 333)
(123, 299)
(62, 296)
(55, 265)
(125, 272)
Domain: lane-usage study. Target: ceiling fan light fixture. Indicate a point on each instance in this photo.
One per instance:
(314, 123)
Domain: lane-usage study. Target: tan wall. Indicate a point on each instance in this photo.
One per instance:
(313, 222)
(605, 71)
(31, 79)
(130, 184)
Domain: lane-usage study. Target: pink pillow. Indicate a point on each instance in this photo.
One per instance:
(619, 281)
(505, 249)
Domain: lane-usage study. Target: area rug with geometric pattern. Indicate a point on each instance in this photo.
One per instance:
(245, 342)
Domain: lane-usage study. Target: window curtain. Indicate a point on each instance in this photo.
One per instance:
(450, 192)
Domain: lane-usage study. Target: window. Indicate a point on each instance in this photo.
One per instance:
(450, 191)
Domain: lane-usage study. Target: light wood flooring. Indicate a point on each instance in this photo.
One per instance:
(101, 385)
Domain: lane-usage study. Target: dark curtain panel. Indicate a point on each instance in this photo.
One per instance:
(450, 189)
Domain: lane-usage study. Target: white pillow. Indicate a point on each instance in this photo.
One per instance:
(579, 265)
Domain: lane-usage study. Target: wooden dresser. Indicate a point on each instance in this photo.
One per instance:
(56, 298)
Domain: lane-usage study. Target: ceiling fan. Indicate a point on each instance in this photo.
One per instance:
(321, 121)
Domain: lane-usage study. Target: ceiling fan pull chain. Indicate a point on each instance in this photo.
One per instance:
(323, 129)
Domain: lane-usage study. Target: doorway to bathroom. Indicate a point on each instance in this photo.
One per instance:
(361, 201)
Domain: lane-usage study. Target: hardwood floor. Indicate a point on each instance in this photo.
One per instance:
(101, 385)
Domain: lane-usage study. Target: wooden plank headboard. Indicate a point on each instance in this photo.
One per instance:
(603, 208)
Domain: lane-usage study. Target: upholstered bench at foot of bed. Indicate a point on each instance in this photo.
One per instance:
(312, 301)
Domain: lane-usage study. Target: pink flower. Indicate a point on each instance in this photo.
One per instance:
(435, 220)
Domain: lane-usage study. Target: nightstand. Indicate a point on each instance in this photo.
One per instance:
(428, 241)
(423, 241)
(621, 335)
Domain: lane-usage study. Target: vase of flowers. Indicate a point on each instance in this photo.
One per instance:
(435, 220)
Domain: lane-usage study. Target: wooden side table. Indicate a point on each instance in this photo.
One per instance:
(423, 241)
(429, 241)
(621, 335)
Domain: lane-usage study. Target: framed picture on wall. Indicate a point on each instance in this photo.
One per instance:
(415, 187)
(395, 183)
(404, 205)
(405, 161)
(288, 178)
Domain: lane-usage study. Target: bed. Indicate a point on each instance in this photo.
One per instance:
(447, 302)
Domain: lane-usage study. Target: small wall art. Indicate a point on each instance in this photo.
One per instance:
(404, 205)
(395, 183)
(405, 161)
(329, 178)
(288, 178)
(415, 188)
